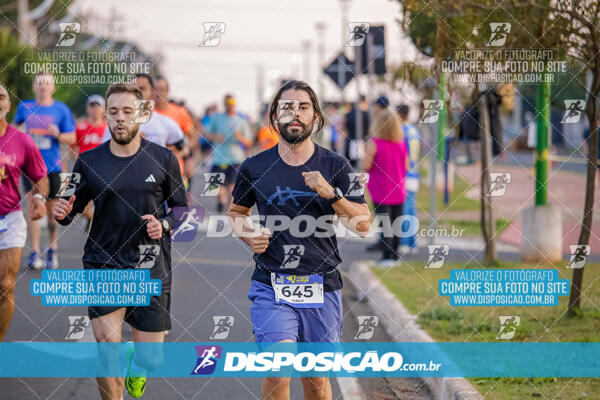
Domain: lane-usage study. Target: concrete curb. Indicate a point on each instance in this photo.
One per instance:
(401, 326)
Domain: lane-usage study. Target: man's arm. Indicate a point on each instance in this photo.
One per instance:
(353, 215)
(242, 134)
(65, 133)
(367, 162)
(244, 197)
(214, 137)
(176, 197)
(65, 210)
(69, 138)
(239, 219)
(175, 137)
(211, 133)
(35, 170)
(41, 187)
(39, 194)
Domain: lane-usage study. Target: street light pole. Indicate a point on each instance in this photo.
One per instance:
(541, 147)
(321, 27)
(345, 5)
(306, 45)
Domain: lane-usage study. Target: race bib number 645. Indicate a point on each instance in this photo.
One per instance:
(299, 291)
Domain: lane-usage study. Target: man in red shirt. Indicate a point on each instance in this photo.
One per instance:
(89, 135)
(90, 131)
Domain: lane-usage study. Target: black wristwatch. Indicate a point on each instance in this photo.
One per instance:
(337, 195)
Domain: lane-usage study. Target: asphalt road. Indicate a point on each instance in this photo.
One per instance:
(211, 276)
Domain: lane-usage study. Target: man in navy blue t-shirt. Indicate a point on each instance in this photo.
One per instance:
(298, 188)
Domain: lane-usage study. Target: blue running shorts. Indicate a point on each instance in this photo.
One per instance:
(273, 322)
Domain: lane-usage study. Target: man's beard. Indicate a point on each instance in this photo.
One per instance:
(295, 138)
(131, 134)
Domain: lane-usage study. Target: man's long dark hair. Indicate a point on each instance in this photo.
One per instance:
(296, 85)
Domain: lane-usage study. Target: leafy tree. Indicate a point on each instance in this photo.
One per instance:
(570, 26)
(12, 56)
(575, 25)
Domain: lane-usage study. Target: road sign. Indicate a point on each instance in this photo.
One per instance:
(341, 70)
(372, 52)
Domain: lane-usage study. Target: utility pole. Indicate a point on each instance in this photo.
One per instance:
(260, 89)
(541, 147)
(306, 46)
(345, 5)
(321, 27)
(442, 120)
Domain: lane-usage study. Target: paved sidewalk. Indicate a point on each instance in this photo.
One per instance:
(565, 189)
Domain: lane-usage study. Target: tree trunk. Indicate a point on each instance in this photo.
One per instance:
(588, 208)
(487, 217)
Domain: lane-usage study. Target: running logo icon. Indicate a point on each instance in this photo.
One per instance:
(187, 223)
(207, 359)
(68, 34)
(357, 34)
(508, 326)
(499, 183)
(437, 255)
(366, 326)
(282, 196)
(212, 183)
(431, 111)
(574, 109)
(286, 111)
(499, 33)
(148, 254)
(68, 184)
(578, 255)
(213, 31)
(292, 255)
(77, 325)
(357, 183)
(143, 111)
(223, 324)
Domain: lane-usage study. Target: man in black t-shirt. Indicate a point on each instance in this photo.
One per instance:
(129, 179)
(299, 187)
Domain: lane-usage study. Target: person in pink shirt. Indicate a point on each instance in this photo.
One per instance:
(386, 161)
(18, 153)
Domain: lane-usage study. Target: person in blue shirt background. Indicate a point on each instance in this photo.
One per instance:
(413, 144)
(227, 131)
(50, 123)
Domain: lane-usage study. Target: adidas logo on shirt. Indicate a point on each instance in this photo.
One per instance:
(150, 178)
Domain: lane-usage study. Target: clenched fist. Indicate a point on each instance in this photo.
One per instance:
(62, 208)
(154, 227)
(315, 181)
(37, 209)
(259, 241)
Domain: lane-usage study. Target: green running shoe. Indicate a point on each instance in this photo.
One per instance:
(135, 384)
